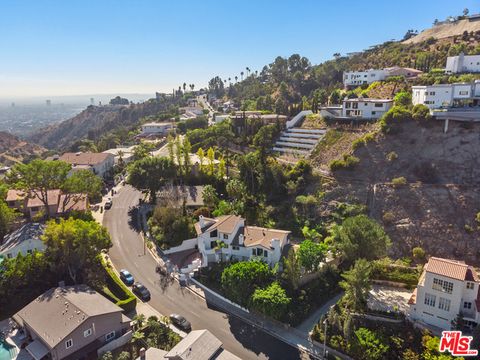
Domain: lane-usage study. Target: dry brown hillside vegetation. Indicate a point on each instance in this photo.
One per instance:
(421, 183)
(442, 31)
(13, 149)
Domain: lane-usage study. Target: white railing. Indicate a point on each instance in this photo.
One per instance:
(296, 119)
(115, 344)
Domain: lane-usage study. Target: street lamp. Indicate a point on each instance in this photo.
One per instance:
(325, 340)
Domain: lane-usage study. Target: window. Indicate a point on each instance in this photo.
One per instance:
(355, 105)
(365, 104)
(444, 304)
(463, 93)
(348, 105)
(214, 233)
(373, 112)
(430, 299)
(87, 332)
(235, 247)
(68, 343)
(467, 305)
(470, 285)
(213, 244)
(265, 253)
(442, 285)
(432, 92)
(378, 105)
(29, 251)
(225, 236)
(110, 336)
(9, 256)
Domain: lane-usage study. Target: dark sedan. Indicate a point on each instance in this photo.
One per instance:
(180, 322)
(141, 291)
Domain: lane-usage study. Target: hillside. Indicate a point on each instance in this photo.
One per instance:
(447, 30)
(97, 121)
(436, 209)
(13, 149)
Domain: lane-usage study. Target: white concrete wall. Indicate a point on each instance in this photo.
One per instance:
(155, 128)
(356, 78)
(463, 63)
(185, 245)
(365, 109)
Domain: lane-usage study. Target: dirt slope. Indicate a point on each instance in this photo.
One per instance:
(13, 149)
(445, 30)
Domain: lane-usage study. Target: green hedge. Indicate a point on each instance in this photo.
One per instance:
(396, 273)
(117, 291)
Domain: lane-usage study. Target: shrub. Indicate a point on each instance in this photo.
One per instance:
(384, 269)
(347, 162)
(361, 141)
(388, 217)
(418, 254)
(468, 228)
(399, 181)
(421, 112)
(117, 290)
(392, 156)
(477, 218)
(403, 98)
(394, 116)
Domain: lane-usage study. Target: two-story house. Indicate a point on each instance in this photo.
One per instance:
(228, 238)
(365, 108)
(70, 323)
(446, 288)
(101, 164)
(444, 96)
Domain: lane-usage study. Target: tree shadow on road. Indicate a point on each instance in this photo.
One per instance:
(256, 340)
(133, 219)
(164, 282)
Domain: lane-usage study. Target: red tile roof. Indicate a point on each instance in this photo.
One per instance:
(413, 298)
(14, 195)
(451, 268)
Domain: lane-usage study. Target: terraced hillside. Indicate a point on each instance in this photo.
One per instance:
(13, 149)
(435, 205)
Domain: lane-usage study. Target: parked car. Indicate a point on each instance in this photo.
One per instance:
(180, 322)
(126, 277)
(108, 204)
(141, 291)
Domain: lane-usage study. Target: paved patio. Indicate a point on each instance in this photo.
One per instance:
(386, 298)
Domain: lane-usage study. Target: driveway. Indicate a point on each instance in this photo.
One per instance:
(237, 336)
(385, 298)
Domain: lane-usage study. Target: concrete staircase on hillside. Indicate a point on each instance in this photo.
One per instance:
(298, 141)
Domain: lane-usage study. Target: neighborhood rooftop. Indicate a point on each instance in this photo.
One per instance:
(81, 158)
(24, 233)
(451, 268)
(56, 313)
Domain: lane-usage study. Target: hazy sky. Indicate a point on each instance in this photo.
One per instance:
(79, 47)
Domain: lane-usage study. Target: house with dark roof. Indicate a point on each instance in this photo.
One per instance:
(446, 289)
(23, 241)
(70, 323)
(227, 237)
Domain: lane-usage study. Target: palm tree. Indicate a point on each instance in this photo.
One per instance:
(191, 87)
(236, 78)
(184, 86)
(256, 72)
(139, 320)
(136, 341)
(248, 71)
(241, 75)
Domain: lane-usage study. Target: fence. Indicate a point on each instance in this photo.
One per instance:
(115, 344)
(186, 245)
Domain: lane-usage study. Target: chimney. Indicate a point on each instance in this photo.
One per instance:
(201, 220)
(240, 239)
(142, 353)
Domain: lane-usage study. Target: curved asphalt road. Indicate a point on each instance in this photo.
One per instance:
(168, 297)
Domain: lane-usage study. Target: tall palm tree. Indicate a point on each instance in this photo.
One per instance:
(248, 71)
(241, 76)
(236, 78)
(184, 86)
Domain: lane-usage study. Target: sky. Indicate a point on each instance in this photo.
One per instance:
(51, 48)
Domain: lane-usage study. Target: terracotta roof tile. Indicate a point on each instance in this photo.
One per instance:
(413, 298)
(450, 268)
(258, 236)
(87, 158)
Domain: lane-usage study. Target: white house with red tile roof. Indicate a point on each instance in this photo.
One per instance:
(446, 288)
(100, 164)
(228, 238)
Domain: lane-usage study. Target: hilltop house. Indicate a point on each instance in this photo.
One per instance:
(446, 288)
(156, 128)
(365, 108)
(101, 164)
(228, 238)
(70, 323)
(123, 153)
(23, 241)
(58, 203)
(463, 64)
(447, 95)
(197, 345)
(357, 78)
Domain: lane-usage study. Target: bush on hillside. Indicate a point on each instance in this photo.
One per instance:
(399, 181)
(392, 117)
(346, 163)
(421, 112)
